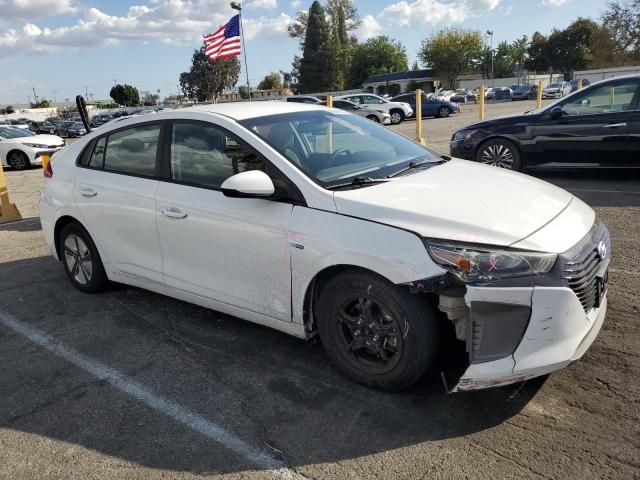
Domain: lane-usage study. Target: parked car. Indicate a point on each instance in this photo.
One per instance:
(463, 96)
(398, 110)
(19, 123)
(20, 148)
(365, 239)
(99, 120)
(556, 90)
(43, 127)
(444, 95)
(501, 93)
(593, 127)
(70, 129)
(379, 116)
(574, 84)
(54, 120)
(525, 92)
(431, 107)
(303, 99)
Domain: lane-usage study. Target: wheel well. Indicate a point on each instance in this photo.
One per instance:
(16, 150)
(396, 109)
(499, 137)
(57, 230)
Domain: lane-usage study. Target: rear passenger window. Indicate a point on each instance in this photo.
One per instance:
(131, 151)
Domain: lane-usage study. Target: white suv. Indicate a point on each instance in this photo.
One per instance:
(310, 220)
(398, 110)
(556, 90)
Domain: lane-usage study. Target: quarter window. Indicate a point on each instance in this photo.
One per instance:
(132, 151)
(206, 156)
(97, 156)
(603, 99)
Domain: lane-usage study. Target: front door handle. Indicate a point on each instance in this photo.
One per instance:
(88, 192)
(615, 125)
(172, 212)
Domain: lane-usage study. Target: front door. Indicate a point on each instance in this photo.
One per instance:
(231, 250)
(593, 130)
(115, 193)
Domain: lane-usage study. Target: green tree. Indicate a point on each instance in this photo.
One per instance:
(452, 52)
(207, 79)
(243, 91)
(538, 54)
(42, 103)
(415, 65)
(272, 81)
(317, 72)
(148, 99)
(379, 54)
(126, 95)
(622, 20)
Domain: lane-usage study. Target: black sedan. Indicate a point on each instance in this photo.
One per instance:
(525, 92)
(596, 126)
(70, 129)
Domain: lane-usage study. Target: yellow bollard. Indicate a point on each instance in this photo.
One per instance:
(481, 102)
(8, 211)
(330, 127)
(418, 114)
(579, 83)
(45, 160)
(539, 96)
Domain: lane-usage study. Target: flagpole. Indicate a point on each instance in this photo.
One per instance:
(238, 7)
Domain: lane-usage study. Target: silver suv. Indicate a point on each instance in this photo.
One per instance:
(398, 110)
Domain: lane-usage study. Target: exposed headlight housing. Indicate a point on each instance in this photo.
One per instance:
(35, 145)
(475, 264)
(463, 134)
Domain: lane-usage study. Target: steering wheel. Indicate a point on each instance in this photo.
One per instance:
(334, 156)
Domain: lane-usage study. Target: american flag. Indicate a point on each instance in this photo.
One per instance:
(224, 42)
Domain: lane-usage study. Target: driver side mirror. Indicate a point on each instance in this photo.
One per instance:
(556, 112)
(251, 184)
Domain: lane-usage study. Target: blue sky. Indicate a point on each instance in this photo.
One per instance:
(70, 45)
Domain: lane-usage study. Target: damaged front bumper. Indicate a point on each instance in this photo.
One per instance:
(543, 329)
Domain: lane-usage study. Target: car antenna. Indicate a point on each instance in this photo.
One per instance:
(82, 110)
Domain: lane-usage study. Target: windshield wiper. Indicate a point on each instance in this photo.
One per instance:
(413, 165)
(356, 181)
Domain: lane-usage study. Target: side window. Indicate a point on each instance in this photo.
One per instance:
(97, 156)
(356, 99)
(132, 150)
(603, 99)
(205, 155)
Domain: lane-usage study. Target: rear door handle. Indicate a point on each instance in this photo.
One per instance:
(615, 125)
(88, 192)
(172, 212)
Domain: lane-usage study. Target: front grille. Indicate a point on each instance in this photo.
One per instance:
(582, 262)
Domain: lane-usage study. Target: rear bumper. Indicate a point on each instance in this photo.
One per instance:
(559, 332)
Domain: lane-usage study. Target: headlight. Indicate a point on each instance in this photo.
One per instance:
(463, 134)
(35, 145)
(474, 264)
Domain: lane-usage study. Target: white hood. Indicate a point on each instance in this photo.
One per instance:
(460, 200)
(49, 140)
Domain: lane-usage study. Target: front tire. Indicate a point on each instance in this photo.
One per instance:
(18, 160)
(443, 112)
(397, 117)
(499, 152)
(374, 332)
(81, 259)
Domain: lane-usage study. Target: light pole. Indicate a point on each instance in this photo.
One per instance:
(490, 33)
(237, 6)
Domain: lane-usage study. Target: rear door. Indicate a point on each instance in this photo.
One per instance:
(594, 129)
(115, 192)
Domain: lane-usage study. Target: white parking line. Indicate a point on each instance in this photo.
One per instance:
(182, 415)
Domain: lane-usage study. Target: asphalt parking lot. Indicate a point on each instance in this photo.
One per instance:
(130, 384)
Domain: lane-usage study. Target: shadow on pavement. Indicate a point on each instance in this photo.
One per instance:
(267, 388)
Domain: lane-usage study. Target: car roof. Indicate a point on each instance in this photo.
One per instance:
(244, 110)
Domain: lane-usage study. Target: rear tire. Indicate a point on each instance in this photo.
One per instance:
(374, 332)
(500, 152)
(18, 160)
(443, 112)
(81, 260)
(397, 116)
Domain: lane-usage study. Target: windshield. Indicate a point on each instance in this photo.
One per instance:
(11, 132)
(334, 148)
(553, 85)
(523, 88)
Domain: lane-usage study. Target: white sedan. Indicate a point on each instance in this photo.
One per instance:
(20, 148)
(556, 90)
(316, 221)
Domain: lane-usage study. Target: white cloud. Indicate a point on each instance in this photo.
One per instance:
(554, 3)
(295, 3)
(368, 28)
(262, 4)
(166, 21)
(32, 9)
(424, 12)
